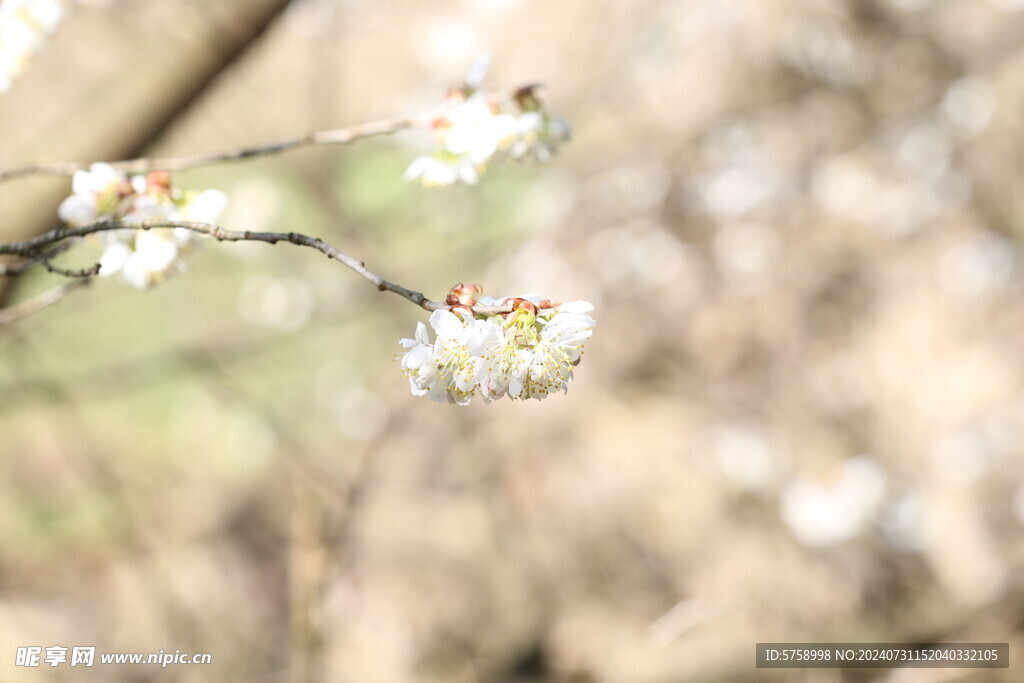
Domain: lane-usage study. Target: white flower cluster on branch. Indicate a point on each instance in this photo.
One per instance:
(477, 128)
(519, 347)
(142, 257)
(24, 25)
(528, 352)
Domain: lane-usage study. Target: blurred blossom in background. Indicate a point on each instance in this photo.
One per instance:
(24, 27)
(801, 417)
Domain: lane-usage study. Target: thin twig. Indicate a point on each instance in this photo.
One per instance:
(18, 267)
(44, 261)
(337, 136)
(40, 301)
(59, 234)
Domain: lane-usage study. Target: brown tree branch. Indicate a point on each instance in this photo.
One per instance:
(17, 268)
(40, 301)
(44, 261)
(337, 136)
(56, 236)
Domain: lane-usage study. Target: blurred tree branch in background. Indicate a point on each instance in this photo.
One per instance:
(40, 301)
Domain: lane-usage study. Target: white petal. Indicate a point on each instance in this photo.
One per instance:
(151, 209)
(417, 167)
(576, 307)
(81, 182)
(114, 258)
(421, 334)
(77, 210)
(183, 236)
(447, 325)
(136, 274)
(420, 338)
(515, 385)
(421, 364)
(416, 390)
(483, 335)
(155, 251)
(101, 176)
(205, 207)
(502, 129)
(467, 173)
(47, 13)
(530, 122)
(432, 172)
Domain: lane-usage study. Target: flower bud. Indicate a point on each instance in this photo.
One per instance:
(464, 295)
(459, 93)
(524, 305)
(526, 98)
(158, 181)
(124, 188)
(522, 316)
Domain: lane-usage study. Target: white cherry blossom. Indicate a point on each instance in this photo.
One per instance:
(474, 131)
(97, 194)
(478, 128)
(142, 258)
(558, 350)
(527, 353)
(23, 26)
(156, 256)
(456, 365)
(443, 370)
(503, 363)
(418, 363)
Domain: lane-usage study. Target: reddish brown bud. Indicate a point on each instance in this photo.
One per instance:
(549, 303)
(159, 178)
(458, 94)
(124, 188)
(158, 183)
(463, 294)
(523, 304)
(526, 97)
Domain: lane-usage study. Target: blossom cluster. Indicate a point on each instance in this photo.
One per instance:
(141, 257)
(24, 25)
(477, 128)
(528, 352)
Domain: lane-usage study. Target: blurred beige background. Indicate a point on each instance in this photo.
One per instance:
(800, 417)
